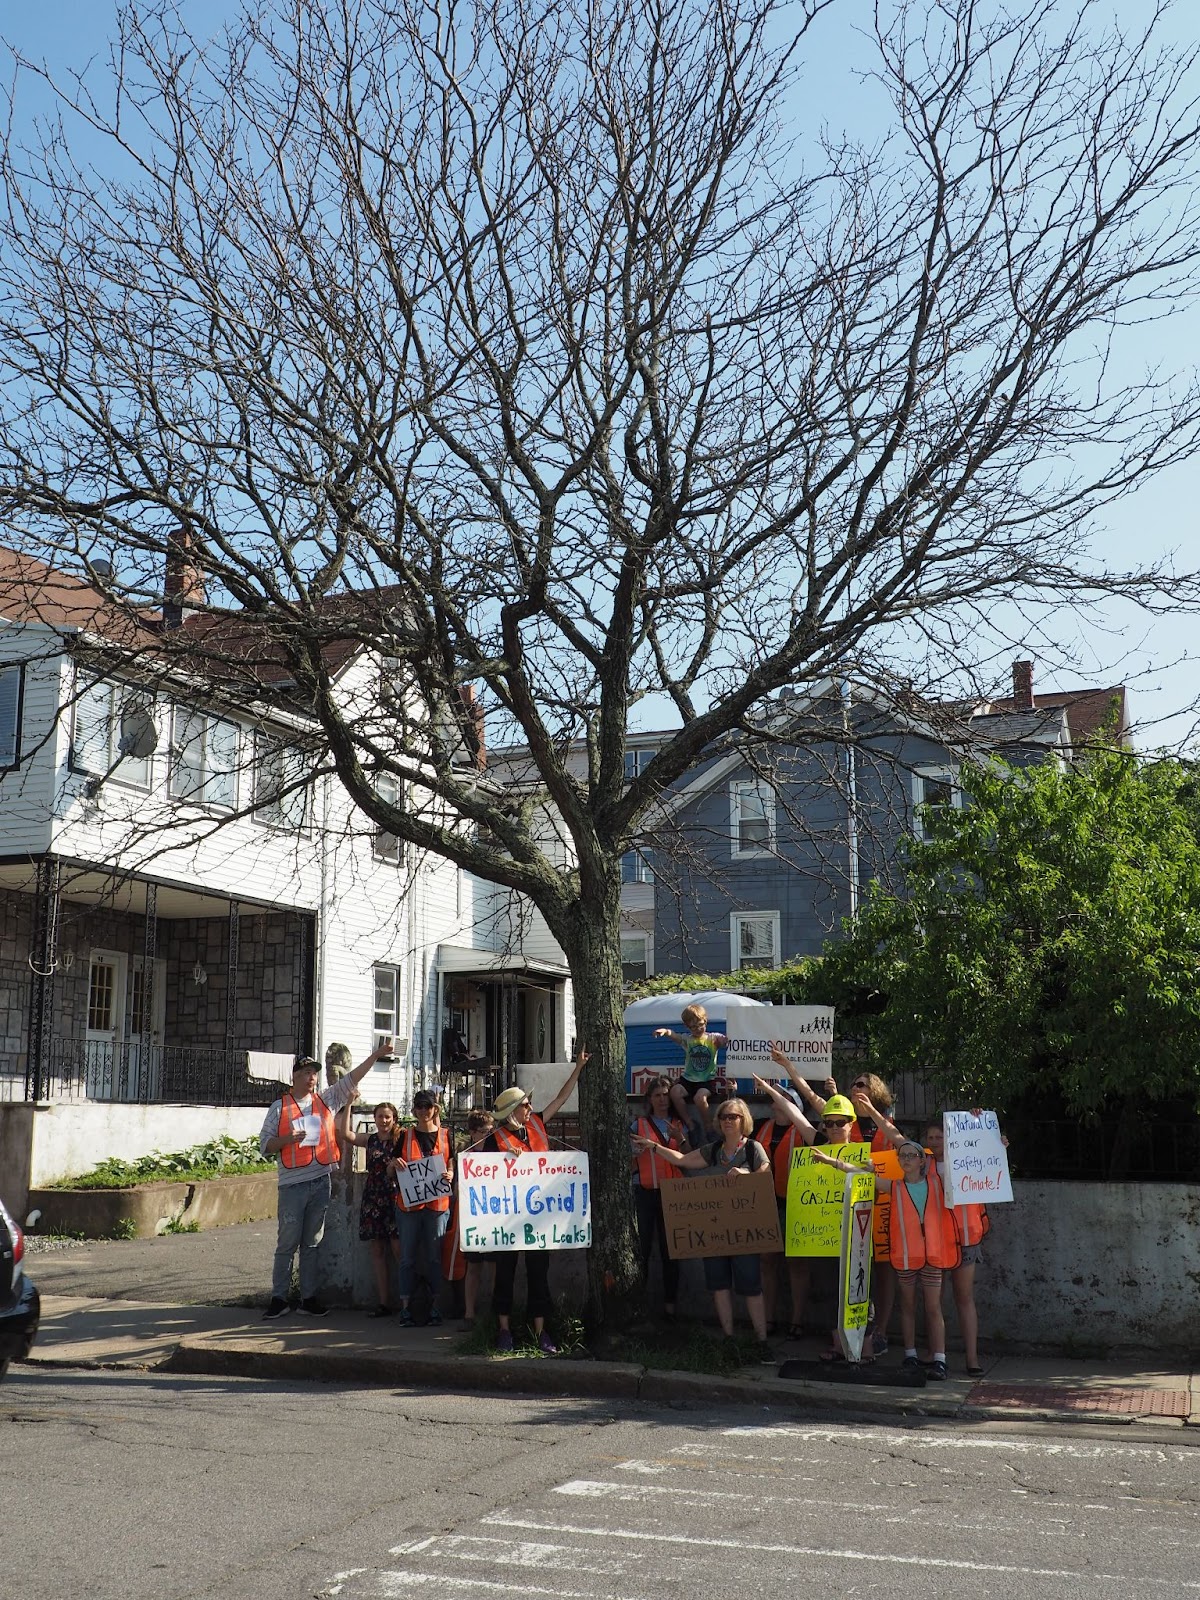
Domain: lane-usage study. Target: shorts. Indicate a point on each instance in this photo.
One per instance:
(972, 1255)
(743, 1274)
(692, 1086)
(926, 1274)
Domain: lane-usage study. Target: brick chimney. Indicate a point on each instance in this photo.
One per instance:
(1022, 679)
(474, 713)
(183, 582)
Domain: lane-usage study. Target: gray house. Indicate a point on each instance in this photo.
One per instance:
(759, 856)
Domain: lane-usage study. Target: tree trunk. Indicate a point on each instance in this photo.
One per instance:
(593, 947)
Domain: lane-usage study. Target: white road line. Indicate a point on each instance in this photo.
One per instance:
(506, 1519)
(943, 1441)
(506, 1553)
(395, 1580)
(599, 1489)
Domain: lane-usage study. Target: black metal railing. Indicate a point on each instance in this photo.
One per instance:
(148, 1074)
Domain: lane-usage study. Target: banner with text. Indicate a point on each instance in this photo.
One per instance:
(422, 1181)
(814, 1200)
(721, 1216)
(524, 1202)
(803, 1033)
(975, 1163)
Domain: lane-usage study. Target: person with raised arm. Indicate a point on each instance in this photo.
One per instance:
(779, 1135)
(519, 1130)
(733, 1154)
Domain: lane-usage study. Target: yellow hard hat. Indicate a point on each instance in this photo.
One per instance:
(838, 1106)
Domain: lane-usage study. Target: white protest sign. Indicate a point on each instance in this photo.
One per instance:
(422, 1181)
(803, 1033)
(975, 1163)
(525, 1202)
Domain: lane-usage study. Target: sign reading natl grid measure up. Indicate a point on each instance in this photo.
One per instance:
(724, 1215)
(538, 1201)
(803, 1033)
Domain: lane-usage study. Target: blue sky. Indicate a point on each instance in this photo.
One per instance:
(1159, 657)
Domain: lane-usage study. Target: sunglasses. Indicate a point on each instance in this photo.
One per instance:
(730, 1116)
(837, 1122)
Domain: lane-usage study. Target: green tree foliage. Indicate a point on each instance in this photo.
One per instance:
(1046, 940)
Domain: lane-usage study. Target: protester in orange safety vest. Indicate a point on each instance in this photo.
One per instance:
(299, 1131)
(656, 1125)
(422, 1222)
(519, 1130)
(789, 1129)
(923, 1243)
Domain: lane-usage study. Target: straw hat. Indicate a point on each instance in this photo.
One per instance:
(507, 1101)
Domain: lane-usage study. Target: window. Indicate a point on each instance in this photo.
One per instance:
(387, 846)
(752, 812)
(280, 797)
(204, 754)
(387, 1003)
(634, 868)
(111, 724)
(755, 939)
(635, 957)
(636, 762)
(11, 685)
(102, 995)
(934, 789)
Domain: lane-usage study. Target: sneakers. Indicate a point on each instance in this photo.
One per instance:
(435, 1317)
(912, 1367)
(547, 1345)
(406, 1318)
(937, 1371)
(312, 1307)
(879, 1344)
(504, 1341)
(277, 1308)
(766, 1355)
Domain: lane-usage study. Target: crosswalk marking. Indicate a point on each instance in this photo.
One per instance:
(506, 1552)
(588, 1488)
(930, 1440)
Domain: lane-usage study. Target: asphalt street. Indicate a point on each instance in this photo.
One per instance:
(146, 1486)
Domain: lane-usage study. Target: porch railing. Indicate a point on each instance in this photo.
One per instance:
(144, 1074)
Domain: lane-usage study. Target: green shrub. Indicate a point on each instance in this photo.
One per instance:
(225, 1157)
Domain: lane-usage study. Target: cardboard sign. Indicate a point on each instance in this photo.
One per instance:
(422, 1181)
(814, 1200)
(525, 1202)
(803, 1033)
(729, 1215)
(975, 1165)
(855, 1274)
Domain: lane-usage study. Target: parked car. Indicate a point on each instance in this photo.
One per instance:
(20, 1306)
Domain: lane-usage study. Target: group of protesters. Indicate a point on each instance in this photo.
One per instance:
(688, 1125)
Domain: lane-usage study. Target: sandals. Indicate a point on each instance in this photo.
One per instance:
(795, 1331)
(974, 1372)
(832, 1357)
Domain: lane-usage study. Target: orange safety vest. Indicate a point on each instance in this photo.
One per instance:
(779, 1143)
(410, 1151)
(652, 1170)
(916, 1244)
(971, 1221)
(325, 1151)
(538, 1140)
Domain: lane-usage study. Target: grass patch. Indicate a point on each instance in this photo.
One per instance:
(219, 1158)
(564, 1326)
(124, 1228)
(174, 1225)
(673, 1347)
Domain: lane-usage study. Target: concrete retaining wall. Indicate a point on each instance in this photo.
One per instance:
(149, 1207)
(1069, 1266)
(42, 1144)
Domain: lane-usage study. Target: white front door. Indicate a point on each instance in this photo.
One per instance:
(104, 1048)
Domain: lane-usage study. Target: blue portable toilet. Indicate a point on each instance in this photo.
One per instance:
(647, 1057)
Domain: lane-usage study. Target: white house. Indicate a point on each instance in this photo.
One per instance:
(184, 905)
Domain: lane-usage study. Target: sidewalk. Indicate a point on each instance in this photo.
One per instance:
(192, 1304)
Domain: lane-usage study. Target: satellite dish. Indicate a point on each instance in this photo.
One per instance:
(139, 736)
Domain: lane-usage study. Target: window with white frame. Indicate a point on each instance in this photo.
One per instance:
(204, 757)
(635, 868)
(280, 792)
(106, 719)
(754, 939)
(12, 681)
(752, 818)
(935, 789)
(636, 762)
(387, 1003)
(635, 957)
(386, 845)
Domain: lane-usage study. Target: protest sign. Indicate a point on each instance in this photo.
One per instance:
(803, 1033)
(539, 1201)
(733, 1215)
(975, 1163)
(422, 1181)
(855, 1274)
(814, 1200)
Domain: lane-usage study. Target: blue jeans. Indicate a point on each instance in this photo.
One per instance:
(302, 1208)
(421, 1248)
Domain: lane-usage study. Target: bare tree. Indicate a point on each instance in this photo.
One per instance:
(514, 342)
